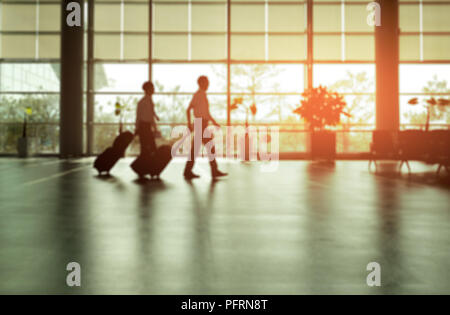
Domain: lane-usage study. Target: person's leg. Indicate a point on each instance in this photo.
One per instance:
(145, 138)
(144, 141)
(152, 142)
(142, 144)
(195, 148)
(210, 149)
(211, 153)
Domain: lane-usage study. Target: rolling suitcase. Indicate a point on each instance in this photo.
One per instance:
(154, 164)
(106, 161)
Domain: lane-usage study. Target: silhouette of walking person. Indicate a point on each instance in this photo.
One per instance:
(145, 120)
(200, 105)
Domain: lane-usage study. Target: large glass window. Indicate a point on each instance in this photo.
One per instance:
(121, 30)
(273, 88)
(29, 73)
(30, 30)
(424, 40)
(425, 28)
(32, 90)
(341, 32)
(423, 82)
(357, 83)
(268, 56)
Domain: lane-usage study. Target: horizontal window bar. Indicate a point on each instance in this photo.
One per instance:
(161, 61)
(30, 92)
(30, 32)
(424, 33)
(219, 93)
(31, 2)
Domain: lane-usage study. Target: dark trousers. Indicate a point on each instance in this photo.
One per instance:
(146, 138)
(195, 149)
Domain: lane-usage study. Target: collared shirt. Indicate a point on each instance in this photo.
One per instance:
(200, 104)
(145, 110)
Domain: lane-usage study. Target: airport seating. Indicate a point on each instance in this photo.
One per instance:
(432, 147)
(383, 146)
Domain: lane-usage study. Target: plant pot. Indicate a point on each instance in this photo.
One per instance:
(323, 145)
(23, 145)
(248, 151)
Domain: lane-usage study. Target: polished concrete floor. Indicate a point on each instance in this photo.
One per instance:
(306, 228)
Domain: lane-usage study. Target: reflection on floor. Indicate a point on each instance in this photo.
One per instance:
(305, 228)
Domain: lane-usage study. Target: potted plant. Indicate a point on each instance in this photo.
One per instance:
(23, 143)
(430, 105)
(322, 109)
(251, 109)
(120, 109)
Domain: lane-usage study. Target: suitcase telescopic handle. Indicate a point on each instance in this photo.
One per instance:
(177, 145)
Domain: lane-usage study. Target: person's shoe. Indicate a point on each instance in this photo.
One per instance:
(190, 175)
(217, 173)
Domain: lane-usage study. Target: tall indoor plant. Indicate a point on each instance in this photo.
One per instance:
(322, 109)
(249, 109)
(430, 104)
(119, 112)
(23, 143)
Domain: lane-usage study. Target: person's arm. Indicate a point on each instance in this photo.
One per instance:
(153, 110)
(214, 122)
(210, 118)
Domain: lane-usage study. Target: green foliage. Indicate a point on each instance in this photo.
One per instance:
(43, 108)
(434, 111)
(361, 107)
(109, 111)
(250, 79)
(440, 111)
(171, 108)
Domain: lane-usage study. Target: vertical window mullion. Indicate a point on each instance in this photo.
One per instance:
(343, 48)
(266, 30)
(122, 28)
(189, 30)
(150, 40)
(228, 62)
(421, 56)
(1, 37)
(36, 52)
(310, 51)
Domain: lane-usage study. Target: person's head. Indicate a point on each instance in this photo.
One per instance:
(203, 82)
(148, 88)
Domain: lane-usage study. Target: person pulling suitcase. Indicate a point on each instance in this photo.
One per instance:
(145, 120)
(152, 160)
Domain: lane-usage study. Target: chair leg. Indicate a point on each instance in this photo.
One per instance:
(401, 165)
(439, 169)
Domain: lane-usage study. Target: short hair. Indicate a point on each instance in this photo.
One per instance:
(147, 86)
(203, 79)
